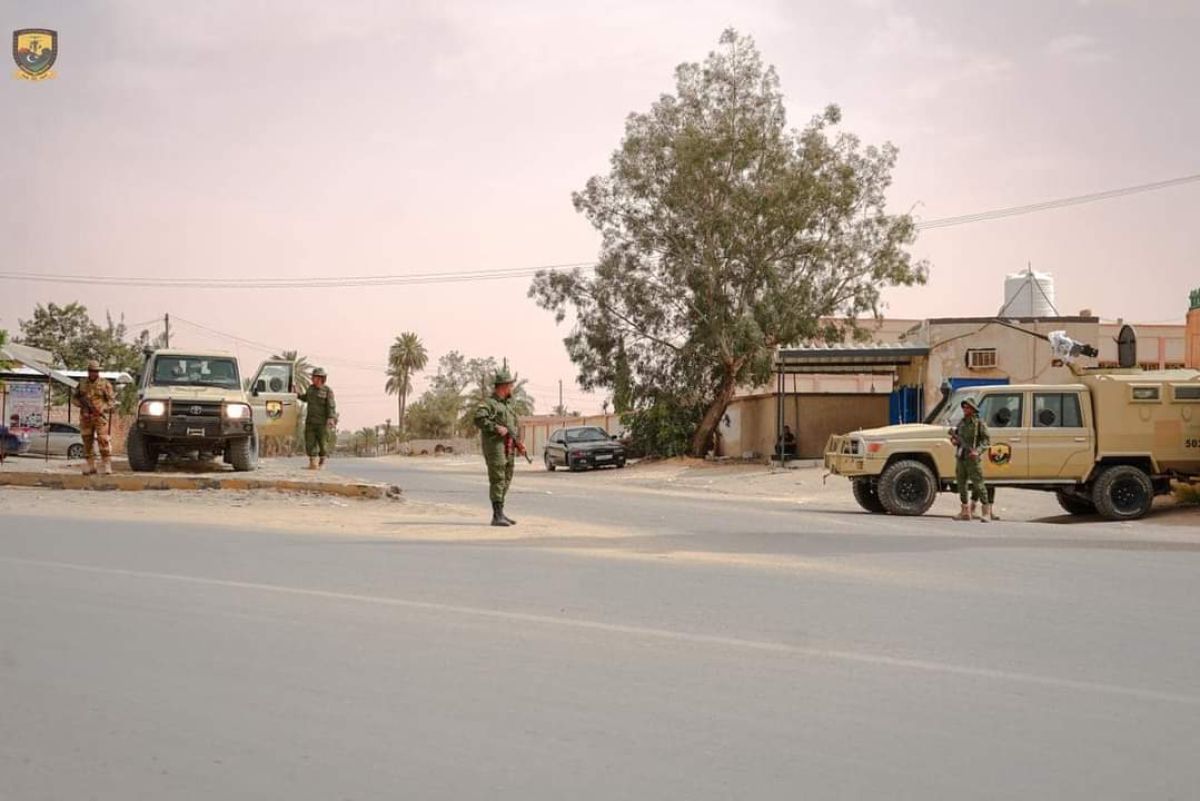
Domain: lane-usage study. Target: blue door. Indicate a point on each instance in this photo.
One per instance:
(906, 405)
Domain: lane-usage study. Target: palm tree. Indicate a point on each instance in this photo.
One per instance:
(302, 369)
(406, 356)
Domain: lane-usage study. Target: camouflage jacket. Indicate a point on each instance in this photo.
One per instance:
(321, 405)
(495, 412)
(95, 398)
(971, 434)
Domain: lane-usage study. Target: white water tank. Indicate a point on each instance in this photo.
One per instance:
(1029, 294)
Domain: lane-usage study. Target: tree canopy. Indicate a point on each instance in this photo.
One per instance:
(725, 235)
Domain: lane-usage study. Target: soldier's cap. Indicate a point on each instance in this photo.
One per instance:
(93, 366)
(502, 377)
(319, 372)
(971, 403)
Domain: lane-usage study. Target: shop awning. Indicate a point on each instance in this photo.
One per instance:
(847, 358)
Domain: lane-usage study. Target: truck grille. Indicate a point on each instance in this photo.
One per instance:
(196, 409)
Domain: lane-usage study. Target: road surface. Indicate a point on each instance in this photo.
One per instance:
(706, 649)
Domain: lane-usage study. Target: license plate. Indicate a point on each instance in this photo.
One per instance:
(600, 457)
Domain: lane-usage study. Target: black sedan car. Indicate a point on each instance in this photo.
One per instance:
(581, 447)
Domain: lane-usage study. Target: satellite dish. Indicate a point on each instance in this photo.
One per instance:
(1127, 347)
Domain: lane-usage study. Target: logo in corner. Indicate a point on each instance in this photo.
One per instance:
(1000, 454)
(35, 50)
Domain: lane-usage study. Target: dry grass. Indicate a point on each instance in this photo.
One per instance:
(1187, 494)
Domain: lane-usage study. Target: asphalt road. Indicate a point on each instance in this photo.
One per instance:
(730, 651)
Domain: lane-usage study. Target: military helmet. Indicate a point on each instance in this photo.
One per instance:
(93, 366)
(970, 402)
(502, 377)
(319, 372)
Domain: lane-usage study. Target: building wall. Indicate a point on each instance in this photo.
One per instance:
(1160, 347)
(1192, 340)
(750, 426)
(1020, 358)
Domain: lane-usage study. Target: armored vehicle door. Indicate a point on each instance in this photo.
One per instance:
(1061, 442)
(273, 398)
(1004, 413)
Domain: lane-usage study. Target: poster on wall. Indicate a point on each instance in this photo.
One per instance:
(27, 403)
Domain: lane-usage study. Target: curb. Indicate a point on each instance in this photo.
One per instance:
(141, 483)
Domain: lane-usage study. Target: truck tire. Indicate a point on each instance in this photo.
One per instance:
(1123, 492)
(242, 453)
(907, 487)
(867, 495)
(1075, 504)
(141, 452)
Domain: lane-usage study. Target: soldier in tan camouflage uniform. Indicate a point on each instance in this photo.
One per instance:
(95, 398)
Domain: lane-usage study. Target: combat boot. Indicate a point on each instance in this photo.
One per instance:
(498, 518)
(989, 513)
(107, 467)
(312, 463)
(965, 514)
(90, 469)
(504, 515)
(321, 463)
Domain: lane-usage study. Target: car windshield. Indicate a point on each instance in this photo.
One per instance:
(951, 414)
(586, 435)
(201, 371)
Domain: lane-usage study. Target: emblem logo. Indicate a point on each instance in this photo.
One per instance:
(274, 409)
(196, 410)
(1000, 454)
(35, 50)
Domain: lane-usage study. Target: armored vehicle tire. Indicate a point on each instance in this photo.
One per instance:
(141, 452)
(1074, 504)
(1123, 492)
(549, 463)
(907, 487)
(867, 495)
(242, 453)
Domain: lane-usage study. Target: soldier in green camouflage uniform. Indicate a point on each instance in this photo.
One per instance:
(497, 422)
(95, 398)
(320, 415)
(970, 438)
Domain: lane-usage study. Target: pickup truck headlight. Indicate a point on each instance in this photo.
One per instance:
(236, 411)
(153, 409)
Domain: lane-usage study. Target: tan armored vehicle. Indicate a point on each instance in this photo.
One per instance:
(192, 403)
(1108, 444)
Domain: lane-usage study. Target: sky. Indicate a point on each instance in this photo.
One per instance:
(233, 138)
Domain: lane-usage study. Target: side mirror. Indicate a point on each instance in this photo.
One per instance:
(259, 386)
(613, 436)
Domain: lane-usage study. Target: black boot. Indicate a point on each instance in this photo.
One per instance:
(504, 514)
(498, 518)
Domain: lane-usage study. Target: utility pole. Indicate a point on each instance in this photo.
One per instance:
(561, 409)
(167, 330)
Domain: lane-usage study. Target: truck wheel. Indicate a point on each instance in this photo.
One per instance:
(1075, 504)
(1123, 492)
(867, 495)
(141, 452)
(242, 453)
(907, 487)
(549, 462)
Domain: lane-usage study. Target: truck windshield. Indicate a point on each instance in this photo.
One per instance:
(951, 413)
(203, 371)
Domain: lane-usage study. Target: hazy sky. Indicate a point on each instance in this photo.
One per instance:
(298, 138)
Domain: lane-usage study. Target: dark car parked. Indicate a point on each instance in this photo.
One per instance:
(581, 447)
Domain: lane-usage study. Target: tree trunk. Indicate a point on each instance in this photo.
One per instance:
(400, 411)
(712, 416)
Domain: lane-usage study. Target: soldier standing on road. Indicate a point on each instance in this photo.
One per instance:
(95, 398)
(970, 437)
(497, 422)
(320, 416)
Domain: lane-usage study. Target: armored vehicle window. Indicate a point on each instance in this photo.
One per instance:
(1056, 410)
(1002, 410)
(1145, 394)
(1187, 394)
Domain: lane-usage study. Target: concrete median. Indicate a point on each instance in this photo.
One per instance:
(141, 482)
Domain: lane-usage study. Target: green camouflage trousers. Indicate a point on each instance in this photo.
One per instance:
(968, 474)
(500, 472)
(315, 440)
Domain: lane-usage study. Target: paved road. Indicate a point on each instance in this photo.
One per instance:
(749, 657)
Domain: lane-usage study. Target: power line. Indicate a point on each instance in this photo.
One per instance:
(1013, 211)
